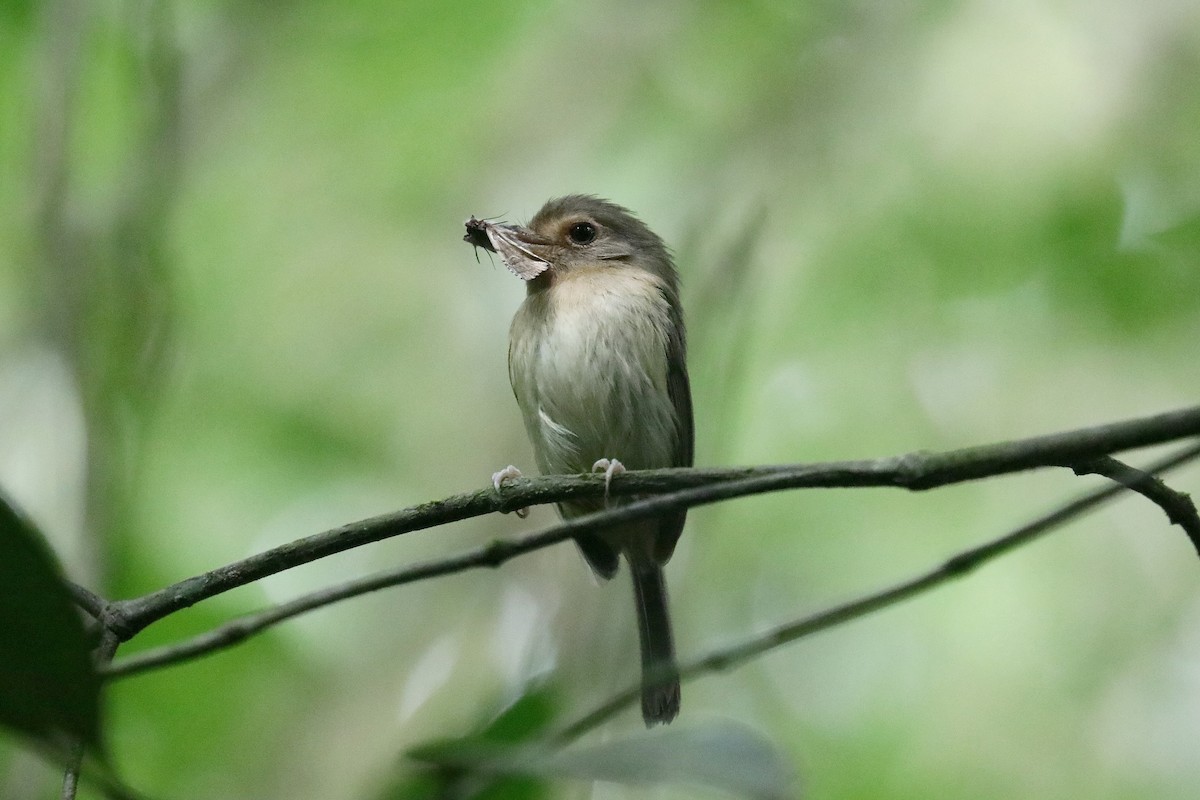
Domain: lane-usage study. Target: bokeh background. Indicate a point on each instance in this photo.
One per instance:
(235, 309)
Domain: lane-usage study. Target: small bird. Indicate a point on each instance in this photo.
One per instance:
(597, 361)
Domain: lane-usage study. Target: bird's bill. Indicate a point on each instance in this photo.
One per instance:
(517, 246)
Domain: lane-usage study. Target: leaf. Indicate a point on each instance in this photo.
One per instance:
(529, 716)
(723, 756)
(48, 686)
(521, 721)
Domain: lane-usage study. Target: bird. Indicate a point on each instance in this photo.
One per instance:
(597, 360)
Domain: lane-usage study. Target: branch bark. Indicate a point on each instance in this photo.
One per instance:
(727, 658)
(882, 472)
(915, 471)
(1178, 506)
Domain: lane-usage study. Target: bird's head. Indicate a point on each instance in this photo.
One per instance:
(571, 233)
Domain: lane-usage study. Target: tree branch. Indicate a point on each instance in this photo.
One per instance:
(490, 555)
(86, 599)
(915, 471)
(102, 657)
(954, 567)
(1178, 506)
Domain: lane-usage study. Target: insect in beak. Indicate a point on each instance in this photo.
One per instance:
(515, 245)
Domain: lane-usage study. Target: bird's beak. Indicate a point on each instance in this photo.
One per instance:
(522, 251)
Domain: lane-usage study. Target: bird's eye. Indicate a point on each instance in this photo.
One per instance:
(582, 233)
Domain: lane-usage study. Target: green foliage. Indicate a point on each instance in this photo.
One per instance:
(48, 687)
(466, 767)
(510, 758)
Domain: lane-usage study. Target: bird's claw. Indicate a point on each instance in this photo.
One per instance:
(610, 467)
(509, 473)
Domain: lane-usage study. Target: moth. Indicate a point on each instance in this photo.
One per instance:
(502, 239)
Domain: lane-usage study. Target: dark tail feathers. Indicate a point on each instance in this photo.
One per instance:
(660, 675)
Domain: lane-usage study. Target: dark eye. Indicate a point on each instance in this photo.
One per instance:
(582, 233)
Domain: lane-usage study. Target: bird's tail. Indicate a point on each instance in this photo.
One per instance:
(660, 674)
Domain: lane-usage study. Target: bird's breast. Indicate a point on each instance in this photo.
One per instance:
(588, 363)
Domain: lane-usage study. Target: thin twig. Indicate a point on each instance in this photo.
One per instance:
(954, 567)
(70, 784)
(915, 471)
(86, 599)
(1178, 506)
(101, 657)
(491, 555)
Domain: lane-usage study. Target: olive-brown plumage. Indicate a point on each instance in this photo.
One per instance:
(597, 361)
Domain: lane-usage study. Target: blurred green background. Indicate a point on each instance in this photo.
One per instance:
(235, 309)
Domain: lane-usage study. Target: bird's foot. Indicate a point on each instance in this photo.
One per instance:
(506, 475)
(610, 467)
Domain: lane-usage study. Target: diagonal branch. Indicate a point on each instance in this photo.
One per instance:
(954, 567)
(915, 471)
(102, 657)
(237, 631)
(493, 555)
(1178, 506)
(86, 599)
